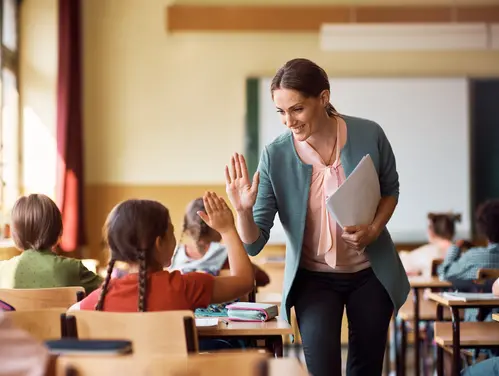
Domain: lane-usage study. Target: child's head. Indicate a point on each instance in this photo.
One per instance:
(138, 232)
(442, 225)
(487, 220)
(36, 223)
(196, 228)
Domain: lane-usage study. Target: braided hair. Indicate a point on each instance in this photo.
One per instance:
(130, 232)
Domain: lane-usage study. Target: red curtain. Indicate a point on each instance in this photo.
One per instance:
(70, 183)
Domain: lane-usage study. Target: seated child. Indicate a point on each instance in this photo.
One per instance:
(36, 230)
(203, 251)
(464, 266)
(458, 266)
(441, 229)
(140, 233)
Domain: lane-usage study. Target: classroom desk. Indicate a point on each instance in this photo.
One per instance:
(454, 306)
(269, 331)
(416, 311)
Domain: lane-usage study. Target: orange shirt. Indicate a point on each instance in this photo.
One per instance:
(166, 291)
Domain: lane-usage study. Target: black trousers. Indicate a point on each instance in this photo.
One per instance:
(319, 300)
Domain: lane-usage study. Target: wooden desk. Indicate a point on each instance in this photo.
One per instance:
(8, 249)
(495, 316)
(454, 306)
(420, 312)
(270, 331)
(473, 334)
(425, 283)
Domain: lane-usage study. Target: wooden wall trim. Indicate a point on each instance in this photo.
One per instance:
(309, 18)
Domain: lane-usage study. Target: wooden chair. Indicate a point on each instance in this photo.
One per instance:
(245, 364)
(31, 299)
(435, 263)
(486, 274)
(166, 333)
(42, 324)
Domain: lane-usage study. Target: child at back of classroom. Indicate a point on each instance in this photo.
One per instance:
(36, 230)
(140, 233)
(441, 229)
(462, 266)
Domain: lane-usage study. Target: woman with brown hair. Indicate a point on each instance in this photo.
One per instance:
(328, 268)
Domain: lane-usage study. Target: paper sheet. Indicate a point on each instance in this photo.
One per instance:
(355, 202)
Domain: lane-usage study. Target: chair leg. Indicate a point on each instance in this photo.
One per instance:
(387, 356)
(403, 346)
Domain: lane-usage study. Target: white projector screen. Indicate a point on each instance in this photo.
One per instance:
(427, 123)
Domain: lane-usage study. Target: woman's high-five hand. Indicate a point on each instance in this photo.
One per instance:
(241, 191)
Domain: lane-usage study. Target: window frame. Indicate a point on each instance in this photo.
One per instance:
(9, 59)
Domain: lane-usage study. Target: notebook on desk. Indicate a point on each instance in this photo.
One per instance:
(470, 296)
(244, 311)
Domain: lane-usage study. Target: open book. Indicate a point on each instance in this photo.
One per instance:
(355, 202)
(470, 296)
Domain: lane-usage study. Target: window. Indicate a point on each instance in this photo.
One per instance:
(9, 104)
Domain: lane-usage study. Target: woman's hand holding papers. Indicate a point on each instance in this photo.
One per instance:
(359, 237)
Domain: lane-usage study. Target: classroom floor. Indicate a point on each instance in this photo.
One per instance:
(298, 352)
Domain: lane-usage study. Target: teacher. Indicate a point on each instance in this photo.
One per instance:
(327, 267)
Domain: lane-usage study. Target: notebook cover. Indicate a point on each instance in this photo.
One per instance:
(87, 346)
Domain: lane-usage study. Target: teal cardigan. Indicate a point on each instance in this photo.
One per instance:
(284, 189)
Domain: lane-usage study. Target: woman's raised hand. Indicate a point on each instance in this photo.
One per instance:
(241, 191)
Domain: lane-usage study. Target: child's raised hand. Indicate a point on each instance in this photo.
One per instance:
(218, 214)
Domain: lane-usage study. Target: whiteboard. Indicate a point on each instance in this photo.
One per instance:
(426, 121)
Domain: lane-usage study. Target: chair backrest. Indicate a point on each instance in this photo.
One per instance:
(242, 363)
(435, 263)
(30, 299)
(43, 324)
(68, 365)
(166, 333)
(487, 274)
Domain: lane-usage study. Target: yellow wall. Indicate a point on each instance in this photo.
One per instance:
(169, 109)
(330, 2)
(165, 111)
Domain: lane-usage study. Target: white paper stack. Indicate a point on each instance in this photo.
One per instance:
(355, 202)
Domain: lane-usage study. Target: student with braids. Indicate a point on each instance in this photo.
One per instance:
(202, 250)
(140, 233)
